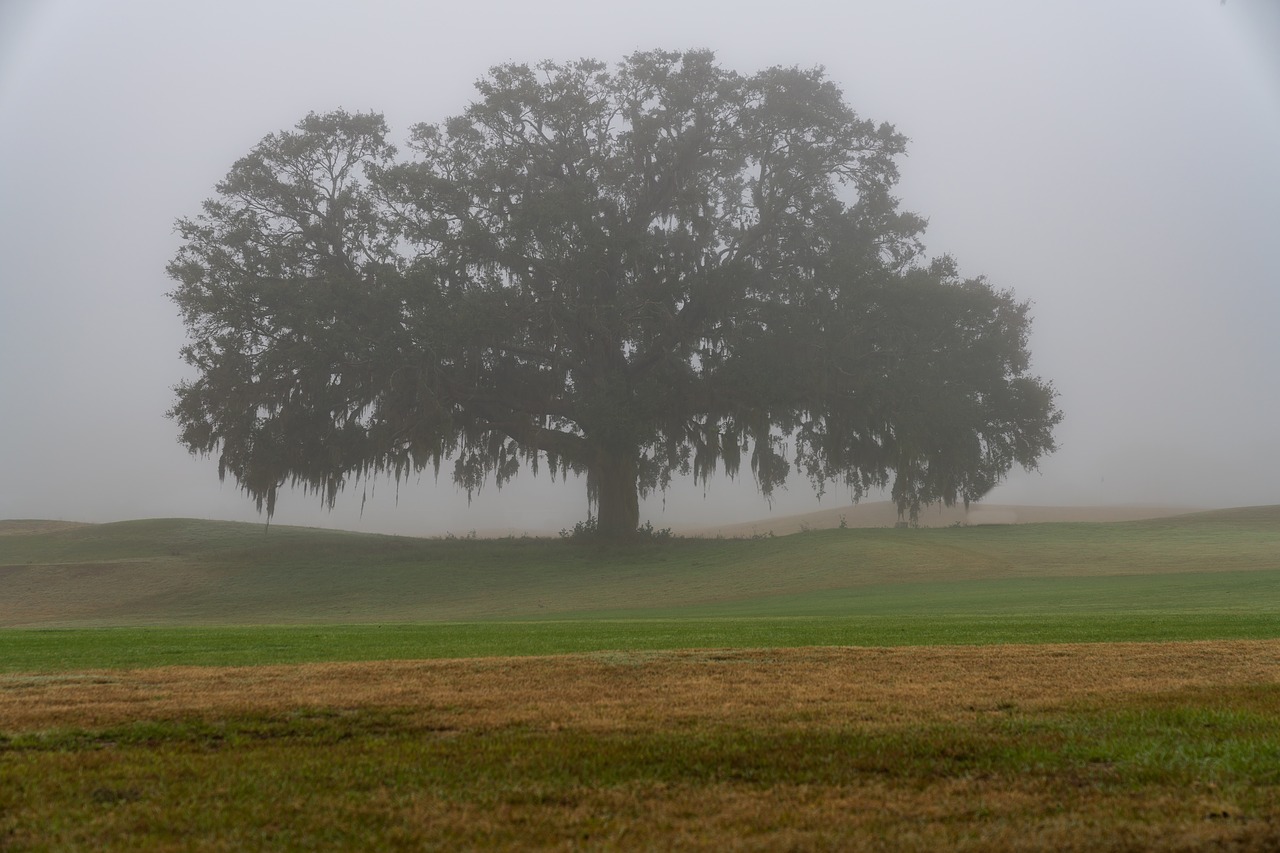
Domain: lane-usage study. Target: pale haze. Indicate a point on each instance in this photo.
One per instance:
(1115, 162)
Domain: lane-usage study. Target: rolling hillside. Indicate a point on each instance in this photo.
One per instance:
(191, 572)
(885, 514)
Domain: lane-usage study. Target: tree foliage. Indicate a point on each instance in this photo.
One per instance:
(662, 267)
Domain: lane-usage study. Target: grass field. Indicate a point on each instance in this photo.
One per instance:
(66, 650)
(1083, 747)
(185, 572)
(193, 685)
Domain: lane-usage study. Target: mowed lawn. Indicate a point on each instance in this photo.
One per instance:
(1101, 746)
(184, 572)
(186, 591)
(1041, 687)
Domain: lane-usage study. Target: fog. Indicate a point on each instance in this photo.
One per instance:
(1116, 162)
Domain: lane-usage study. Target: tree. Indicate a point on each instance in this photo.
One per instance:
(632, 272)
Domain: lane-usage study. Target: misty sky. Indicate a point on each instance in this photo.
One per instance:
(1116, 162)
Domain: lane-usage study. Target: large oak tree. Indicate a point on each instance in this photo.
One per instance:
(662, 267)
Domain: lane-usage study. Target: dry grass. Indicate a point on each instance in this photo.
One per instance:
(620, 691)
(29, 526)
(976, 748)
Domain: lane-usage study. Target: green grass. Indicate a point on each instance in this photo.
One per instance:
(183, 591)
(1133, 777)
(64, 650)
(1141, 745)
(1240, 738)
(186, 572)
(1192, 769)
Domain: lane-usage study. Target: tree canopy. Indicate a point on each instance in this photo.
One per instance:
(631, 272)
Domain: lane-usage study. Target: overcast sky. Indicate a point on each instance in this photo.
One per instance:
(1116, 162)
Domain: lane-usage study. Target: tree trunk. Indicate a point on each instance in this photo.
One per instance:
(614, 491)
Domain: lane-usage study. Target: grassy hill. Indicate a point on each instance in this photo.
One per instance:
(191, 572)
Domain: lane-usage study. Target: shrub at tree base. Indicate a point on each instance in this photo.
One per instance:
(663, 267)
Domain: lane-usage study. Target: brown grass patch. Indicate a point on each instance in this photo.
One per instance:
(803, 749)
(619, 691)
(29, 526)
